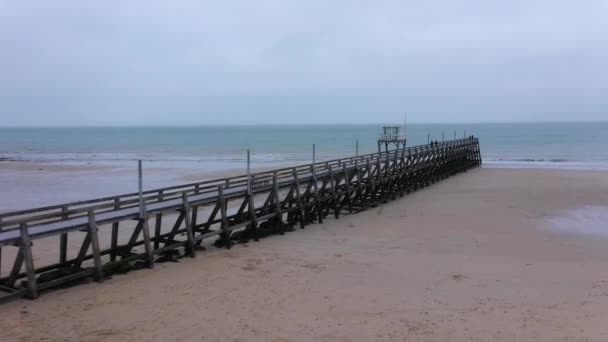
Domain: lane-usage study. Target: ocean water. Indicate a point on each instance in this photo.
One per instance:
(536, 145)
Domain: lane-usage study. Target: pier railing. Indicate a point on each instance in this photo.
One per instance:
(217, 210)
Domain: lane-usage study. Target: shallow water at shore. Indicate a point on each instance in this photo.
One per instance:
(29, 185)
(587, 220)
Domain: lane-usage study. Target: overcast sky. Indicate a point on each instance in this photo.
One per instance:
(341, 61)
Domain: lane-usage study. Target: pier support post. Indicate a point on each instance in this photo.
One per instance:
(347, 198)
(63, 239)
(315, 185)
(92, 227)
(317, 196)
(224, 219)
(26, 252)
(158, 223)
(334, 195)
(360, 187)
(381, 181)
(114, 238)
(17, 265)
(189, 234)
(147, 242)
(140, 183)
(298, 197)
(277, 204)
(143, 218)
(252, 215)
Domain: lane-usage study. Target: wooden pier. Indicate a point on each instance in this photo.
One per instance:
(219, 211)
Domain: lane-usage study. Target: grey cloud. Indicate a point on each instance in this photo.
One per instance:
(219, 62)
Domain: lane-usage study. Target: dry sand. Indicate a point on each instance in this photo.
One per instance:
(472, 258)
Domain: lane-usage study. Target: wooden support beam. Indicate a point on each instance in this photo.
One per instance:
(224, 218)
(115, 227)
(317, 196)
(92, 227)
(308, 205)
(194, 215)
(17, 265)
(380, 180)
(189, 233)
(252, 215)
(242, 208)
(371, 183)
(28, 260)
(147, 242)
(63, 239)
(178, 223)
(298, 198)
(134, 236)
(212, 216)
(334, 194)
(269, 200)
(277, 204)
(158, 223)
(347, 188)
(83, 250)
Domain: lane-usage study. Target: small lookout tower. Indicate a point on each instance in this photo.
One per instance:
(391, 135)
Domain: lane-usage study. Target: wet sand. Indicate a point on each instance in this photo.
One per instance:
(473, 258)
(26, 185)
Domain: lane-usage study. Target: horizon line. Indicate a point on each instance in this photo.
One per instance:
(304, 124)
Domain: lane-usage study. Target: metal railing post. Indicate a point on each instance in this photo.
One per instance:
(248, 171)
(141, 191)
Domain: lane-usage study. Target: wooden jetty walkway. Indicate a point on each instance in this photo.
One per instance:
(217, 210)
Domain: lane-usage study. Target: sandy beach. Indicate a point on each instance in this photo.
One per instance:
(488, 255)
(135, 206)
